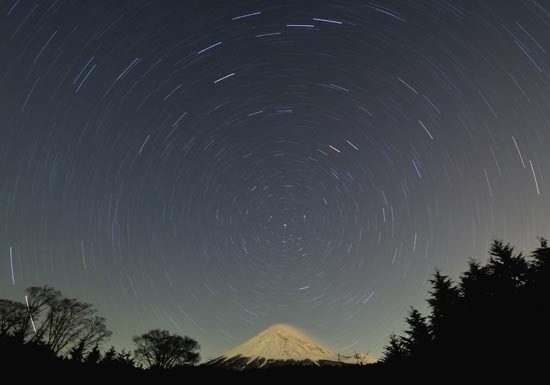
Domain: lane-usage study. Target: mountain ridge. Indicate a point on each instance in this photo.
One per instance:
(283, 345)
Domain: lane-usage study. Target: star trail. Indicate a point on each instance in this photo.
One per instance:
(215, 167)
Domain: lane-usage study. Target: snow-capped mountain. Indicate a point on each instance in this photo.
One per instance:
(283, 345)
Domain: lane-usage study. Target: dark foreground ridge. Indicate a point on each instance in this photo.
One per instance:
(42, 365)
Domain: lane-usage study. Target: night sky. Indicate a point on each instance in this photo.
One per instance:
(215, 167)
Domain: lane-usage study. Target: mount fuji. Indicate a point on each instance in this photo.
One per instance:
(283, 345)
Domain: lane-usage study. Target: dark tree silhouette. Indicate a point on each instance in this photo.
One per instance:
(414, 346)
(445, 307)
(109, 356)
(160, 349)
(114, 359)
(64, 324)
(38, 299)
(496, 309)
(508, 272)
(536, 326)
(94, 331)
(13, 317)
(539, 274)
(395, 353)
(76, 353)
(473, 282)
(94, 356)
(60, 324)
(443, 301)
(418, 337)
(125, 359)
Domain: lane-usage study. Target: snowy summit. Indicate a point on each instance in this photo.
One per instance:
(283, 345)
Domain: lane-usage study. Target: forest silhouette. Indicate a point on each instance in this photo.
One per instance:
(494, 317)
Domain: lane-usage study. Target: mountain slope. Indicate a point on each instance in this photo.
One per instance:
(282, 345)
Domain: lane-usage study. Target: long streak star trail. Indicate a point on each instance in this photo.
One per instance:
(216, 167)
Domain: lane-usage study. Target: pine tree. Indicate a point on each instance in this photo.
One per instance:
(445, 304)
(473, 281)
(395, 353)
(497, 309)
(508, 271)
(418, 336)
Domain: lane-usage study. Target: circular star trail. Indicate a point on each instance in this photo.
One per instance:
(214, 167)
